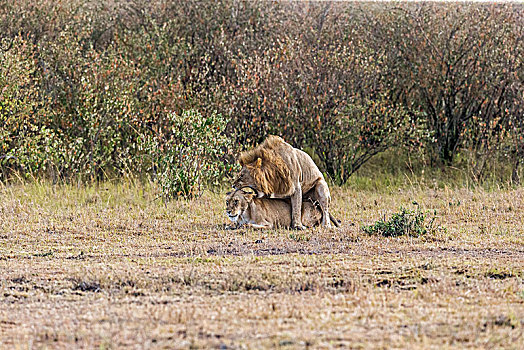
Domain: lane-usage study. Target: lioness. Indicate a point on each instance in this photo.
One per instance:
(244, 208)
(275, 169)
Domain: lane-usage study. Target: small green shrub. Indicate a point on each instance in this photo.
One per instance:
(405, 222)
(196, 154)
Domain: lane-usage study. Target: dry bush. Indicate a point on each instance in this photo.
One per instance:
(109, 73)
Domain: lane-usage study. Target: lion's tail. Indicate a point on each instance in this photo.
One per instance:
(334, 221)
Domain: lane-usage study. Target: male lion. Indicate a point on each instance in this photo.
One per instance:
(243, 208)
(275, 169)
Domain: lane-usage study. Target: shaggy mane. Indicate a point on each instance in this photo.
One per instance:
(270, 143)
(273, 176)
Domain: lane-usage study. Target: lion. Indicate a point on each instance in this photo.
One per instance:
(275, 169)
(245, 209)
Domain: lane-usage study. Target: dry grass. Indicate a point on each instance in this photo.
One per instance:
(110, 267)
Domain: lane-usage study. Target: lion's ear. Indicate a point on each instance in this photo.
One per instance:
(258, 162)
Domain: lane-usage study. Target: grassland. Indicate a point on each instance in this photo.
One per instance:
(109, 266)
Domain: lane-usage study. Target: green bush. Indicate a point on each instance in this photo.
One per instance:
(194, 155)
(404, 223)
(27, 142)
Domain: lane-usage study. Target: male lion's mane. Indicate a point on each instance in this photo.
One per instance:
(272, 174)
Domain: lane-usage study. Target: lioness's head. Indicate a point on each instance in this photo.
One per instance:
(237, 202)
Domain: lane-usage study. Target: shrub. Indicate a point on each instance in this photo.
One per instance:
(405, 222)
(84, 82)
(195, 154)
(455, 63)
(27, 142)
(346, 141)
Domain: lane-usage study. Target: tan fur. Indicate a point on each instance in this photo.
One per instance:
(275, 169)
(267, 167)
(245, 210)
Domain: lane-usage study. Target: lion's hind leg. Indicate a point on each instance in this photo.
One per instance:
(324, 198)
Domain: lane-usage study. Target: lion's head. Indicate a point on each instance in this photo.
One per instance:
(263, 168)
(237, 203)
(244, 179)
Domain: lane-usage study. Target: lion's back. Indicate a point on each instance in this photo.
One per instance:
(310, 173)
(300, 163)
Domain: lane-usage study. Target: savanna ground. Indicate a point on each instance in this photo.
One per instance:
(109, 266)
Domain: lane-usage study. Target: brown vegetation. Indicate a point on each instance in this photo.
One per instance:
(85, 82)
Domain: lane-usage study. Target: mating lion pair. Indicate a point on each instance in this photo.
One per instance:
(286, 189)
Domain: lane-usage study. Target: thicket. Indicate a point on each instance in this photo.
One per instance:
(87, 86)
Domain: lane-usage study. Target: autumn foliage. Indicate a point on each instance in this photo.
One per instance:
(87, 85)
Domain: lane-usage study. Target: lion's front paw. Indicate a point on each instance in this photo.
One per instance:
(299, 227)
